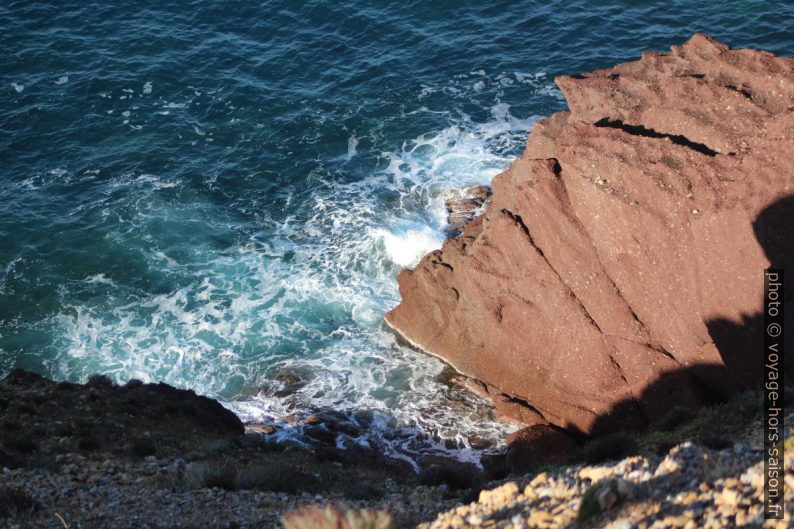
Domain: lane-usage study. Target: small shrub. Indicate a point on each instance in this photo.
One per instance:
(88, 442)
(222, 476)
(364, 491)
(715, 440)
(663, 446)
(609, 447)
(675, 417)
(16, 503)
(143, 447)
(276, 477)
(207, 475)
(27, 407)
(454, 476)
(330, 517)
(220, 446)
(22, 445)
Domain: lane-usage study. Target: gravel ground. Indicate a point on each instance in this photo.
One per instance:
(87, 493)
(691, 487)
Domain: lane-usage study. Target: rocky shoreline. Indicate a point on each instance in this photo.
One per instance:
(99, 455)
(577, 301)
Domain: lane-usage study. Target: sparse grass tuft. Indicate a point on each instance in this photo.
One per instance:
(88, 442)
(330, 517)
(276, 477)
(364, 491)
(209, 476)
(609, 447)
(675, 417)
(21, 445)
(715, 440)
(142, 447)
(16, 504)
(272, 477)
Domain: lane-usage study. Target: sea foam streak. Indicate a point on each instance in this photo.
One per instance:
(305, 296)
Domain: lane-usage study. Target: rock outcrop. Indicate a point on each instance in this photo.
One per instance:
(618, 268)
(464, 208)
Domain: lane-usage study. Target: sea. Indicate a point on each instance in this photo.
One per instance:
(219, 195)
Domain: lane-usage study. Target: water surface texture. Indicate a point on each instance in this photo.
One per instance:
(214, 193)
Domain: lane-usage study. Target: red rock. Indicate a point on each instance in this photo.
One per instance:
(617, 269)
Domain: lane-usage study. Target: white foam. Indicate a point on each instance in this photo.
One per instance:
(18, 87)
(307, 294)
(147, 87)
(99, 279)
(352, 143)
(406, 248)
(62, 79)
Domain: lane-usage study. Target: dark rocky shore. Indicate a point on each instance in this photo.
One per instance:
(608, 297)
(149, 455)
(100, 455)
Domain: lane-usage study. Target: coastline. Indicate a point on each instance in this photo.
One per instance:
(150, 455)
(100, 454)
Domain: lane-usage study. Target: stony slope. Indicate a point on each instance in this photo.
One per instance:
(100, 455)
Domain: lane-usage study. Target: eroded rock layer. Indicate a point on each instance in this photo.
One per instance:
(618, 268)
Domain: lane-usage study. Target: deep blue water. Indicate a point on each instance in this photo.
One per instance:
(211, 193)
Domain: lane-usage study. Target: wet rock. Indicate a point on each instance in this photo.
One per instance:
(283, 385)
(481, 193)
(464, 208)
(264, 429)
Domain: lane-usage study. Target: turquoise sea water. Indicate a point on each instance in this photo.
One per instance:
(212, 193)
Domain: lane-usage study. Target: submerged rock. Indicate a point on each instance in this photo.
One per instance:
(618, 267)
(464, 208)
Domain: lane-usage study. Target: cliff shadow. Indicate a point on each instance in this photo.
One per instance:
(729, 384)
(741, 343)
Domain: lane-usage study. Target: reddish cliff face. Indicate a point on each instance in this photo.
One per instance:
(618, 269)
